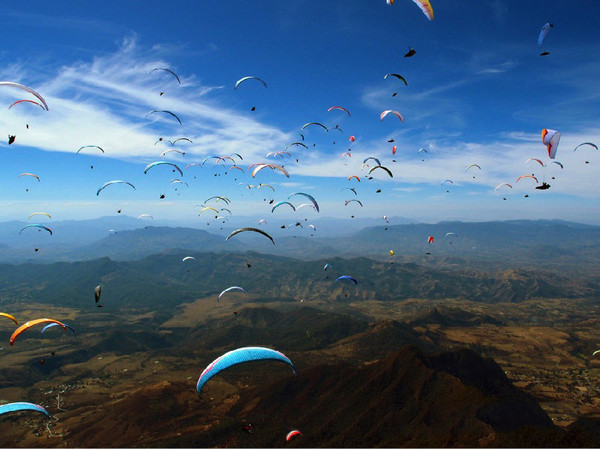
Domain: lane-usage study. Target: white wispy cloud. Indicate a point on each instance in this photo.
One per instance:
(105, 102)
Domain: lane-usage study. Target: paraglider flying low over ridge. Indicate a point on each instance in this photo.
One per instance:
(229, 289)
(30, 324)
(237, 356)
(292, 434)
(20, 406)
(346, 277)
(97, 293)
(10, 317)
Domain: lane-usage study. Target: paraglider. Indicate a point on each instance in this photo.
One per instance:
(237, 231)
(27, 101)
(30, 174)
(326, 266)
(27, 89)
(97, 293)
(423, 4)
(557, 163)
(241, 80)
(295, 143)
(551, 138)
(349, 201)
(536, 160)
(154, 164)
(172, 150)
(10, 317)
(209, 208)
(373, 158)
(354, 176)
(169, 71)
(30, 324)
(181, 138)
(450, 236)
(411, 52)
(165, 112)
(36, 226)
(19, 406)
(278, 153)
(396, 113)
(587, 143)
(527, 176)
(292, 434)
(346, 277)
(503, 184)
(234, 288)
(48, 326)
(259, 167)
(188, 258)
(179, 181)
(106, 184)
(222, 198)
(315, 123)
(89, 146)
(237, 356)
(400, 77)
(281, 203)
(430, 239)
(310, 197)
(543, 34)
(340, 108)
(387, 170)
(306, 205)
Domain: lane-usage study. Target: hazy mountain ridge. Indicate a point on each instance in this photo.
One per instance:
(551, 244)
(162, 281)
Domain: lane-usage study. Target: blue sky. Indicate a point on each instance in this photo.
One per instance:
(478, 92)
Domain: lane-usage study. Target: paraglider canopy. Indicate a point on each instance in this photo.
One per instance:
(551, 138)
(237, 356)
